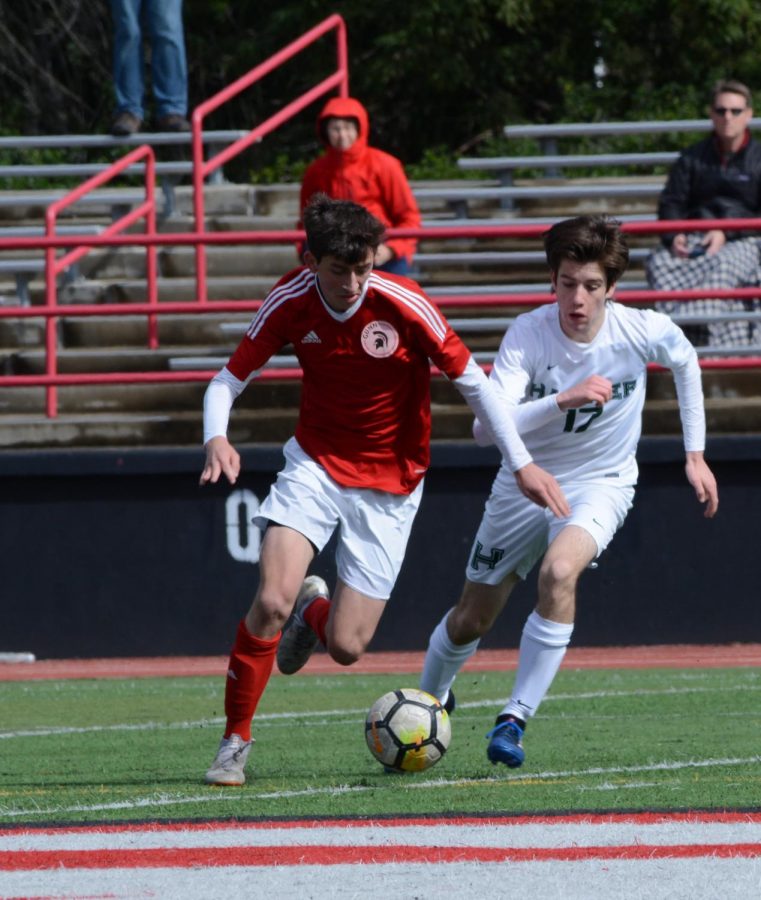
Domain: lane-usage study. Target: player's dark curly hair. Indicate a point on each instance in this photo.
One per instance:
(341, 228)
(586, 239)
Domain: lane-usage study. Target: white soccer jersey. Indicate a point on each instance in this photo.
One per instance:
(536, 360)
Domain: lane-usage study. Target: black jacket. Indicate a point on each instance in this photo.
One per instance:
(701, 185)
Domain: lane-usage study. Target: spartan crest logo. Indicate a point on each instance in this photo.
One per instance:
(379, 339)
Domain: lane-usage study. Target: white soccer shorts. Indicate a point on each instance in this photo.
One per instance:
(374, 526)
(514, 532)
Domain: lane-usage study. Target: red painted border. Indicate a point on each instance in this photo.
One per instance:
(315, 855)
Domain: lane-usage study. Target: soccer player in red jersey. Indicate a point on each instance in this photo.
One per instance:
(357, 461)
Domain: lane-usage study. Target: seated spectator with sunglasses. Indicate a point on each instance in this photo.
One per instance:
(717, 178)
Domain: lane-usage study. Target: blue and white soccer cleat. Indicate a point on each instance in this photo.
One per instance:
(505, 744)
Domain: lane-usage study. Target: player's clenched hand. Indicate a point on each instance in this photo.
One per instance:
(703, 481)
(221, 459)
(541, 488)
(594, 389)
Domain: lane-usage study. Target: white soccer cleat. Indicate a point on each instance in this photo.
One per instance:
(299, 640)
(229, 763)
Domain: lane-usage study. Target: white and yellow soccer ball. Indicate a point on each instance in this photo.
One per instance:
(407, 730)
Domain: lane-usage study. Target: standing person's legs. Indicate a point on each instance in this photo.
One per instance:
(169, 69)
(128, 57)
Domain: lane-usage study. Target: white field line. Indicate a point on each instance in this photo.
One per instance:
(313, 716)
(215, 796)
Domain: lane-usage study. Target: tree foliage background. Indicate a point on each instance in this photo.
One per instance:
(438, 74)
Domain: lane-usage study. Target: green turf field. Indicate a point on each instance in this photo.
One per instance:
(101, 750)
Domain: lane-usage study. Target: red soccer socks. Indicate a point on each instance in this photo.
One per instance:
(248, 673)
(316, 617)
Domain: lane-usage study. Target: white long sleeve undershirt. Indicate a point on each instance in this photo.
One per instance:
(218, 400)
(481, 397)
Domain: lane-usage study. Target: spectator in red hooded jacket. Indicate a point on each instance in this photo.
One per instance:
(351, 170)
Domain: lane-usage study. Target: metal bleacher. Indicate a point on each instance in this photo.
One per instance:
(150, 413)
(551, 164)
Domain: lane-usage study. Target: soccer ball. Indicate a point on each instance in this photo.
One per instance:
(407, 730)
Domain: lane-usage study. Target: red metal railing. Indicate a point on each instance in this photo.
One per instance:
(112, 237)
(52, 310)
(55, 265)
(202, 168)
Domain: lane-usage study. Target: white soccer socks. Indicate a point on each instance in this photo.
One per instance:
(443, 660)
(543, 646)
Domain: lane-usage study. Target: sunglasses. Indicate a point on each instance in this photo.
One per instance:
(723, 110)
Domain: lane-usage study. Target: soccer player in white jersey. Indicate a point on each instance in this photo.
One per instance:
(357, 461)
(574, 374)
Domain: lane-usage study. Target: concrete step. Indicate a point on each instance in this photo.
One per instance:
(272, 260)
(465, 276)
(279, 200)
(105, 399)
(717, 384)
(113, 430)
(219, 200)
(268, 222)
(167, 397)
(434, 206)
(96, 360)
(18, 333)
(176, 331)
(740, 415)
(274, 425)
(131, 290)
(28, 206)
(251, 287)
(561, 208)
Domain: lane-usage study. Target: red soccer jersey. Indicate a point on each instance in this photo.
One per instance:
(365, 402)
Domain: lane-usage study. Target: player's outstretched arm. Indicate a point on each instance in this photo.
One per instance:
(703, 481)
(221, 459)
(541, 488)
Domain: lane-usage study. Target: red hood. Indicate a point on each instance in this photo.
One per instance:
(345, 108)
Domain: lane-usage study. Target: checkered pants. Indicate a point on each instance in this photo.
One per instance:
(735, 265)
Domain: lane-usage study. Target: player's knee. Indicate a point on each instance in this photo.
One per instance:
(346, 651)
(343, 656)
(466, 624)
(273, 606)
(558, 573)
